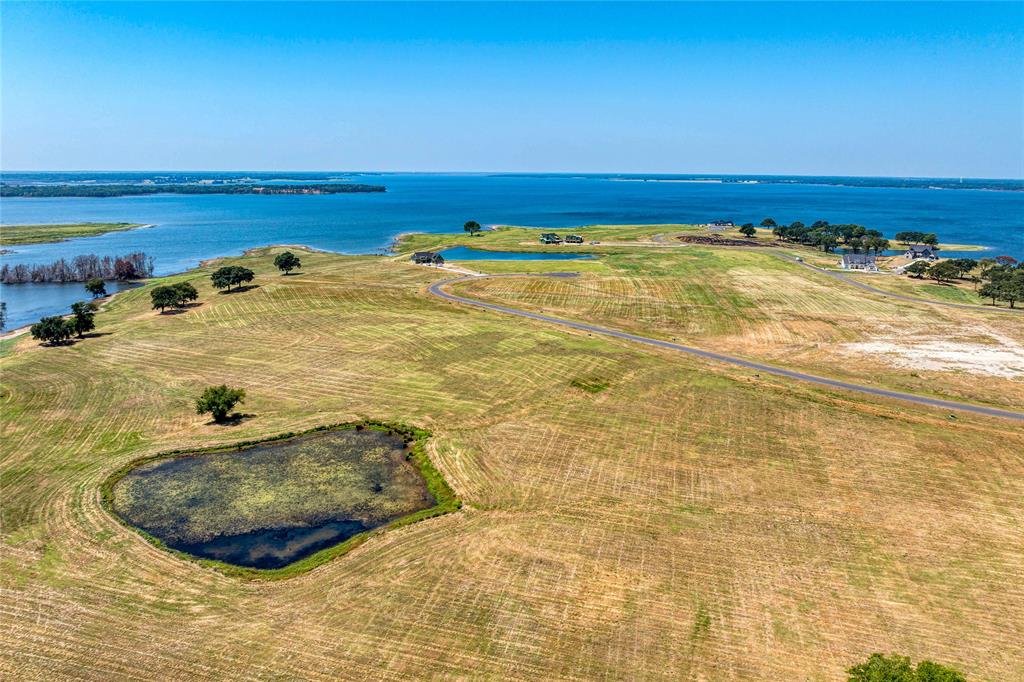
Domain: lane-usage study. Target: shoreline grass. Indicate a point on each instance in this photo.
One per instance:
(20, 235)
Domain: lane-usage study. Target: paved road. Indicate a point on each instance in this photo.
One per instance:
(438, 289)
(913, 299)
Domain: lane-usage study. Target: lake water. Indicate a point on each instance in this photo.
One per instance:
(190, 228)
(26, 303)
(466, 253)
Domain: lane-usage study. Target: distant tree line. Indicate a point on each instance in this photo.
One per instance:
(81, 269)
(912, 237)
(827, 237)
(82, 190)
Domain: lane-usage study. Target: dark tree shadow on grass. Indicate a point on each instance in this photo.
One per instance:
(239, 290)
(233, 419)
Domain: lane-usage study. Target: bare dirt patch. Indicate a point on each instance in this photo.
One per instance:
(1003, 357)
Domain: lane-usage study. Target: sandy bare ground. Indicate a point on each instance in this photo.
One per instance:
(1004, 357)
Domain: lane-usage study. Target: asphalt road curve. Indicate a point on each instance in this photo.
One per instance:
(438, 289)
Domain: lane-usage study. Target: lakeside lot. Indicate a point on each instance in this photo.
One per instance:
(627, 512)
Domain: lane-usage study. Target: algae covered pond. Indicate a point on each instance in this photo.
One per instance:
(271, 504)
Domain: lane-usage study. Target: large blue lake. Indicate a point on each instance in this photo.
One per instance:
(190, 228)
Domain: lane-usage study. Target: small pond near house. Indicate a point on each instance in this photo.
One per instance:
(271, 504)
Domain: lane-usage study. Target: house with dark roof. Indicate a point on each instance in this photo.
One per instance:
(427, 258)
(859, 261)
(550, 238)
(918, 251)
(573, 239)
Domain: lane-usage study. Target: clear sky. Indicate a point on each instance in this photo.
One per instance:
(914, 89)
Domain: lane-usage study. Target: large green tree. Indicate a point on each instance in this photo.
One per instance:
(184, 293)
(768, 222)
(917, 269)
(287, 261)
(97, 287)
(472, 227)
(896, 668)
(748, 230)
(83, 317)
(944, 271)
(163, 297)
(52, 330)
(231, 275)
(219, 401)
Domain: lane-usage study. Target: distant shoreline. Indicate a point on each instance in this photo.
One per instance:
(50, 233)
(124, 190)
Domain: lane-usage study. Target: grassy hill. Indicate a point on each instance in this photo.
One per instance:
(628, 512)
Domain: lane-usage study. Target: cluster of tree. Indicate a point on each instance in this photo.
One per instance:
(1003, 276)
(81, 269)
(472, 227)
(896, 668)
(231, 275)
(55, 330)
(913, 237)
(219, 401)
(287, 261)
(82, 190)
(173, 295)
(1003, 282)
(826, 236)
(943, 271)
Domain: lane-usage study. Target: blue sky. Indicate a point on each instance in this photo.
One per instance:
(914, 89)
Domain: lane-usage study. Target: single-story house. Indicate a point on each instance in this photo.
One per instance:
(917, 251)
(427, 258)
(550, 238)
(859, 261)
(573, 239)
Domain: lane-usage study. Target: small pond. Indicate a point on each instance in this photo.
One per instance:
(466, 253)
(269, 505)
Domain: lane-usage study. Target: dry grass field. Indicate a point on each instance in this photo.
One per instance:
(760, 306)
(629, 513)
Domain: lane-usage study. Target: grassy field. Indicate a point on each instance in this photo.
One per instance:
(760, 306)
(13, 235)
(628, 512)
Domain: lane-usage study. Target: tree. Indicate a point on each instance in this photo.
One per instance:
(930, 239)
(943, 271)
(52, 330)
(472, 227)
(125, 270)
(768, 222)
(895, 668)
(184, 293)
(748, 230)
(83, 317)
(287, 261)
(97, 287)
(917, 268)
(231, 275)
(164, 296)
(964, 265)
(219, 400)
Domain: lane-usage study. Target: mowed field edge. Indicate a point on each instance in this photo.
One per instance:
(684, 521)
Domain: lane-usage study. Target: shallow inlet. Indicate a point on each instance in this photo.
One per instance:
(272, 504)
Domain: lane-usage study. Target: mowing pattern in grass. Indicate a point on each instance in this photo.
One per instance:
(690, 522)
(762, 307)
